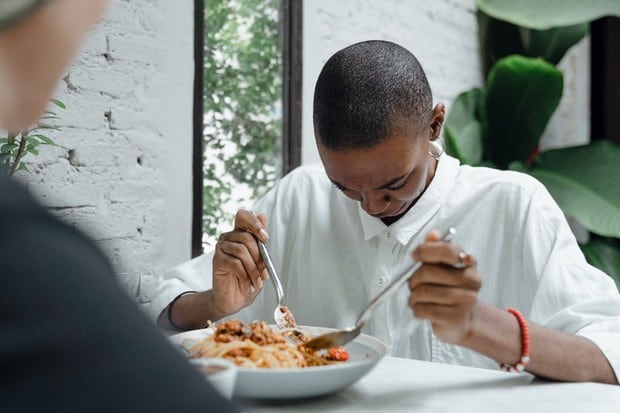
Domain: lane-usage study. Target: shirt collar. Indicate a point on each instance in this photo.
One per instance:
(424, 209)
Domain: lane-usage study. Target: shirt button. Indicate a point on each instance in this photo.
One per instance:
(381, 281)
(388, 235)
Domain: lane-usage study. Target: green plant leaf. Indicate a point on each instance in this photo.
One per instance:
(44, 139)
(59, 103)
(32, 148)
(463, 128)
(22, 167)
(521, 95)
(545, 14)
(45, 127)
(604, 254)
(583, 181)
(8, 147)
(499, 39)
(517, 166)
(552, 44)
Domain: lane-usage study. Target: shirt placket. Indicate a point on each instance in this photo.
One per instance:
(383, 278)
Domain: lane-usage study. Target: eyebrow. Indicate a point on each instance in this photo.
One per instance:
(384, 186)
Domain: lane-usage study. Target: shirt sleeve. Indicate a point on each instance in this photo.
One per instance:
(12, 11)
(197, 273)
(572, 295)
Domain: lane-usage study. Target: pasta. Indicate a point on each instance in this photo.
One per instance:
(258, 346)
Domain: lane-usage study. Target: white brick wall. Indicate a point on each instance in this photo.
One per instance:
(441, 33)
(443, 36)
(122, 170)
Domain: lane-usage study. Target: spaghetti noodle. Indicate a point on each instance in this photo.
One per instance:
(258, 346)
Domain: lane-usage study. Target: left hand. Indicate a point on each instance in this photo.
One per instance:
(445, 289)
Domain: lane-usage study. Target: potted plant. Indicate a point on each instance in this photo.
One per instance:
(501, 123)
(18, 144)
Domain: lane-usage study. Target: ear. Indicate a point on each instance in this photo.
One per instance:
(439, 115)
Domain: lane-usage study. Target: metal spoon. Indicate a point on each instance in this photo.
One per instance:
(282, 315)
(342, 337)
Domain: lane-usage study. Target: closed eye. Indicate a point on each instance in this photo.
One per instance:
(397, 187)
(339, 187)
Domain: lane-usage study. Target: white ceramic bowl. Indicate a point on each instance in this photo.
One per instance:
(365, 352)
(221, 373)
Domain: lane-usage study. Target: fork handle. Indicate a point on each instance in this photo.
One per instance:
(398, 281)
(273, 275)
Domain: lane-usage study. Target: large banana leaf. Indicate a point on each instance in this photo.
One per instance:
(545, 14)
(463, 130)
(521, 95)
(604, 253)
(552, 44)
(584, 181)
(499, 39)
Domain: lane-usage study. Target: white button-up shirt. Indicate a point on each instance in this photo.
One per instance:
(333, 258)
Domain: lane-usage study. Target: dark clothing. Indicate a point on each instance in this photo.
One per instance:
(71, 339)
(13, 11)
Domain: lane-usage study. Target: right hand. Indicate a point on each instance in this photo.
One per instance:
(238, 269)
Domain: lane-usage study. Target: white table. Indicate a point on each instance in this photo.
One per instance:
(402, 385)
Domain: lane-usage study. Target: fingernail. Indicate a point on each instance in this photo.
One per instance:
(264, 234)
(259, 283)
(252, 289)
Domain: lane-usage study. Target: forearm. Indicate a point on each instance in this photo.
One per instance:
(553, 354)
(191, 311)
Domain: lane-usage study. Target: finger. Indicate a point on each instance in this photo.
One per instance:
(442, 314)
(438, 252)
(247, 239)
(433, 235)
(441, 295)
(464, 260)
(246, 220)
(240, 261)
(467, 278)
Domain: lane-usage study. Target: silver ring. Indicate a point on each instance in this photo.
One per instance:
(461, 264)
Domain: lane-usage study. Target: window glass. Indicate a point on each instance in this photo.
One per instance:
(242, 107)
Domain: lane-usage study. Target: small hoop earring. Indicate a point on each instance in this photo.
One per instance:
(436, 148)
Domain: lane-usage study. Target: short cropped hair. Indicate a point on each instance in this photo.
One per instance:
(363, 90)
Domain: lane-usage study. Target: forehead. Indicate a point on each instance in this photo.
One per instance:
(373, 167)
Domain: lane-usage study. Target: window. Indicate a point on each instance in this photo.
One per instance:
(247, 106)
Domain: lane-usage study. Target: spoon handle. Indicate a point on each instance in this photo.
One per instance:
(398, 281)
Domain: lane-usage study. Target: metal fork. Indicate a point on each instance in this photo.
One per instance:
(342, 337)
(282, 315)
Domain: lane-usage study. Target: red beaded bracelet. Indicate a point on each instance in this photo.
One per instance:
(525, 344)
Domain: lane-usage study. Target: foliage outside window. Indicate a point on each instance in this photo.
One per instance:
(242, 107)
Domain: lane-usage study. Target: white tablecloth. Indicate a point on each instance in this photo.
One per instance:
(402, 385)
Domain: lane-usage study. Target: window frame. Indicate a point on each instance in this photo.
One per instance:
(605, 85)
(292, 31)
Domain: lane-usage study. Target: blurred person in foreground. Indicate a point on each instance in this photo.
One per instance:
(71, 340)
(512, 291)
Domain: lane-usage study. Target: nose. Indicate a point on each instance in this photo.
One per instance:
(374, 203)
